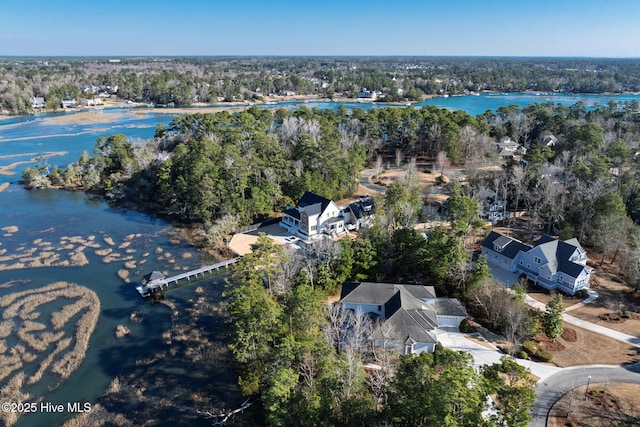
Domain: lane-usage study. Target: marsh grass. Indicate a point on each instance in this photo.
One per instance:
(122, 331)
(44, 365)
(124, 275)
(33, 340)
(104, 252)
(12, 392)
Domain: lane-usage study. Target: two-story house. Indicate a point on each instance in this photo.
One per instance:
(550, 263)
(312, 216)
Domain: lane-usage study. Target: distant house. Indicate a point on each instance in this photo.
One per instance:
(37, 102)
(549, 140)
(68, 103)
(508, 149)
(312, 216)
(550, 263)
(411, 313)
(367, 94)
(94, 102)
(359, 214)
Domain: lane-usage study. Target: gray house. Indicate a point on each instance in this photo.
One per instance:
(411, 312)
(550, 263)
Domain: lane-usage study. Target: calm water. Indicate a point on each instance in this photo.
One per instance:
(51, 214)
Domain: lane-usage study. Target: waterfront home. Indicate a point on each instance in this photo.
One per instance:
(410, 313)
(549, 263)
(37, 102)
(68, 103)
(312, 216)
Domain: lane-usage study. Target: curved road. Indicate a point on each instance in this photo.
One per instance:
(365, 181)
(551, 389)
(556, 385)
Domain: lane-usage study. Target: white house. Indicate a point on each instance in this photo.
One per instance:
(411, 313)
(68, 103)
(312, 216)
(37, 102)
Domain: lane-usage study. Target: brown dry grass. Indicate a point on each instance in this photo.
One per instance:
(20, 311)
(122, 331)
(583, 347)
(12, 392)
(603, 405)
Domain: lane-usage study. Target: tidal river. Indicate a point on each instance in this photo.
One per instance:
(52, 236)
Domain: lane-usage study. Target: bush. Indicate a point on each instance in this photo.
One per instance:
(544, 355)
(521, 354)
(465, 326)
(531, 347)
(439, 180)
(582, 294)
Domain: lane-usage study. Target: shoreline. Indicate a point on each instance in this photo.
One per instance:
(111, 110)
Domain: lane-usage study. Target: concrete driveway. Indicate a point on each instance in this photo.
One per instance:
(453, 339)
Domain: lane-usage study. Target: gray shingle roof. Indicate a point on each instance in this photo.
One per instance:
(449, 307)
(511, 246)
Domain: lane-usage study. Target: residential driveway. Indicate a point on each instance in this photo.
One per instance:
(619, 336)
(365, 181)
(452, 339)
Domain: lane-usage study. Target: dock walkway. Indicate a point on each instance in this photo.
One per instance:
(165, 283)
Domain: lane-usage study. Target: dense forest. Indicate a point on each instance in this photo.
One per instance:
(185, 81)
(578, 178)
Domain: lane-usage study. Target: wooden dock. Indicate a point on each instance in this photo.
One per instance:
(175, 281)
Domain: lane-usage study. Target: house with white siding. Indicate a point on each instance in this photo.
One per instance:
(313, 216)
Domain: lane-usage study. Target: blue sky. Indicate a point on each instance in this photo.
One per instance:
(348, 27)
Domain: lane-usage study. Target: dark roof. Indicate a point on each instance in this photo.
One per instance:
(292, 212)
(511, 246)
(309, 199)
(363, 207)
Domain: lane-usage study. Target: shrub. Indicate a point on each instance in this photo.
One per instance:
(465, 326)
(521, 354)
(531, 347)
(582, 294)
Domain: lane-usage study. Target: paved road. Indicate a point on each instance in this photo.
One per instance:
(551, 389)
(365, 181)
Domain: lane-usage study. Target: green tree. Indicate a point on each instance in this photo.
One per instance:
(514, 390)
(552, 318)
(442, 389)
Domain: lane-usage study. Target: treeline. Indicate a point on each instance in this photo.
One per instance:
(579, 177)
(306, 362)
(184, 81)
(249, 165)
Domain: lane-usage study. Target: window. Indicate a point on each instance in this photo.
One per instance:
(537, 260)
(379, 308)
(313, 228)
